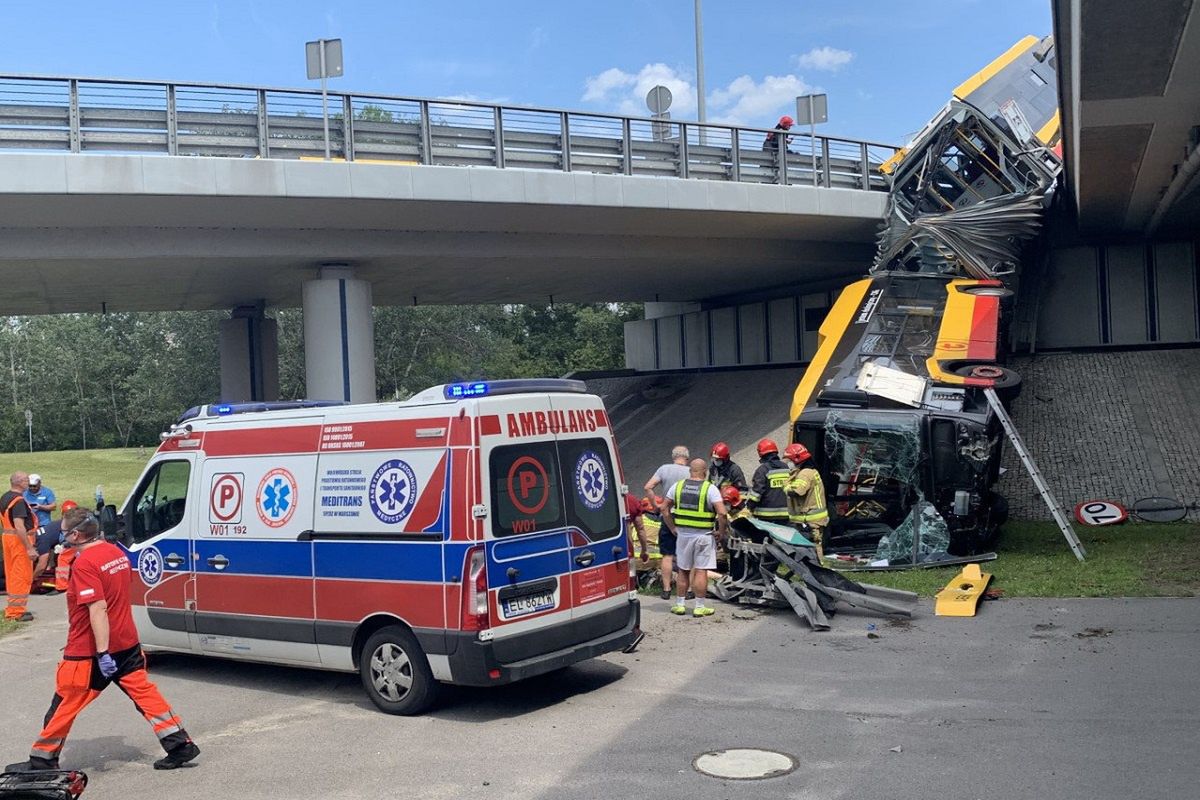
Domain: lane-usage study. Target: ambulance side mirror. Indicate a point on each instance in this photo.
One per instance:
(108, 522)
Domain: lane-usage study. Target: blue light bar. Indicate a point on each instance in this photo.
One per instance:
(222, 409)
(461, 391)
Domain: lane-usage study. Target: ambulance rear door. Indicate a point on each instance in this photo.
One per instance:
(593, 505)
(527, 543)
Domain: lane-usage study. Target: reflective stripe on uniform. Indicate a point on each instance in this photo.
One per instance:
(820, 515)
(772, 513)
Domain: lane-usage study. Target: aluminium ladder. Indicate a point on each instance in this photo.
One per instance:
(1043, 488)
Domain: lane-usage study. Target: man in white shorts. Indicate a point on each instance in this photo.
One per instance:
(695, 512)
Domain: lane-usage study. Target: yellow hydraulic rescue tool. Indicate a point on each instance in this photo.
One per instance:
(961, 596)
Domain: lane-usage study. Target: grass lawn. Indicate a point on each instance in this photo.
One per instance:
(7, 626)
(74, 474)
(1129, 560)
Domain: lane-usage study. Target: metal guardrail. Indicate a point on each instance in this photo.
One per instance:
(84, 115)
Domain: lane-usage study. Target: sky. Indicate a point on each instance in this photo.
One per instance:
(886, 66)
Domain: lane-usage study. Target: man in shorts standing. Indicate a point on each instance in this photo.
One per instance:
(696, 513)
(667, 476)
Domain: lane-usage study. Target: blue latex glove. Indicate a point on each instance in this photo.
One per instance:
(108, 667)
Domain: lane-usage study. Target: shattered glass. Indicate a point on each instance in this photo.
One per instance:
(933, 536)
(875, 459)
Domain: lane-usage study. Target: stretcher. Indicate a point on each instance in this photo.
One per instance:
(777, 566)
(45, 785)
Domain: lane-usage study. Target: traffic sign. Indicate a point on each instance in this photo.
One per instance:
(1100, 512)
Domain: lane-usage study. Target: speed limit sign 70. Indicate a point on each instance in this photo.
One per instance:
(1100, 512)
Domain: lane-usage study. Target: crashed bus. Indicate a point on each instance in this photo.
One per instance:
(892, 405)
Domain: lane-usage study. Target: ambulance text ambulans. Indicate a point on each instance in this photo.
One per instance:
(474, 535)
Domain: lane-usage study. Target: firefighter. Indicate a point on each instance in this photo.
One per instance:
(806, 496)
(734, 503)
(766, 499)
(775, 139)
(724, 472)
(20, 546)
(102, 648)
(695, 513)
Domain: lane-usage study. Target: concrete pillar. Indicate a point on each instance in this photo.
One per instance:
(249, 355)
(339, 337)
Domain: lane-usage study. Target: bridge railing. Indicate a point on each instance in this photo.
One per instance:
(83, 115)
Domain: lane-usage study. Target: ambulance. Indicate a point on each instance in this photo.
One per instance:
(472, 535)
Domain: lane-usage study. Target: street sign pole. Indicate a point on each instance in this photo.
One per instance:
(812, 140)
(324, 98)
(324, 61)
(812, 108)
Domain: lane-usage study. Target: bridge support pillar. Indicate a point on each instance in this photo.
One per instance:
(339, 337)
(249, 355)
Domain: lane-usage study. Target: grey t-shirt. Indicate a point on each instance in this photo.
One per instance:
(670, 474)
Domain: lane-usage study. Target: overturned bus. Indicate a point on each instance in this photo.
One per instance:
(892, 405)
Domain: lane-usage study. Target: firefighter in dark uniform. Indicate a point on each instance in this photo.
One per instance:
(767, 500)
(722, 472)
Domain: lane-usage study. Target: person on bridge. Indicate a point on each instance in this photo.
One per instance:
(667, 476)
(20, 546)
(99, 621)
(695, 513)
(724, 472)
(775, 139)
(806, 496)
(766, 499)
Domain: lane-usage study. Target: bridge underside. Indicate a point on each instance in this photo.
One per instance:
(147, 233)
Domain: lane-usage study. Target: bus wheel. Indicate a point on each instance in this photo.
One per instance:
(1002, 378)
(395, 672)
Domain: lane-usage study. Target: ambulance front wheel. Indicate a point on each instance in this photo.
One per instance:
(396, 673)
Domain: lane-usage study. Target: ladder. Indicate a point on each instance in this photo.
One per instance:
(1043, 488)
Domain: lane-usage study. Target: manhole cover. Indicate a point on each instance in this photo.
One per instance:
(744, 764)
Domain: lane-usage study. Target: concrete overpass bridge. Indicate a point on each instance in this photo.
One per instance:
(130, 195)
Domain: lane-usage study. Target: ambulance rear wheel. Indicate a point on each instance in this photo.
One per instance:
(396, 673)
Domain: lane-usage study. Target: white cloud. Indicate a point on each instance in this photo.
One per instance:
(825, 58)
(628, 90)
(744, 101)
(748, 102)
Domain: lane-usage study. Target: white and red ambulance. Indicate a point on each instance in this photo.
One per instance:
(474, 535)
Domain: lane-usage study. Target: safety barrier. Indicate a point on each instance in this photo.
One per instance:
(84, 115)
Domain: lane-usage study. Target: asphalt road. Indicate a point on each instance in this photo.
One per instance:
(1038, 699)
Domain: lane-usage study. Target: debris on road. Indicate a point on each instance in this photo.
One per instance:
(775, 566)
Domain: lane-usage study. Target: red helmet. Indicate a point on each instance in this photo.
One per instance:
(720, 450)
(796, 453)
(68, 505)
(786, 122)
(731, 495)
(767, 446)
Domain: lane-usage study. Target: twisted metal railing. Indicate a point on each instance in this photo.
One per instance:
(85, 115)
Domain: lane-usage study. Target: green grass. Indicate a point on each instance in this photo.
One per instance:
(74, 474)
(7, 626)
(1129, 560)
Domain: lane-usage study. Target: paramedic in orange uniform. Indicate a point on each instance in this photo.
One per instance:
(102, 648)
(20, 546)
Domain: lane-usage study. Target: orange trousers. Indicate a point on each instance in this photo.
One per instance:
(18, 573)
(79, 682)
(62, 571)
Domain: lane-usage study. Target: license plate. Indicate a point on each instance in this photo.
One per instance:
(530, 604)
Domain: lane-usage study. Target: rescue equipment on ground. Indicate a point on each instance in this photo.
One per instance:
(51, 784)
(962, 594)
(776, 566)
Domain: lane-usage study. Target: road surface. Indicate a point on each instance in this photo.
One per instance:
(1031, 699)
